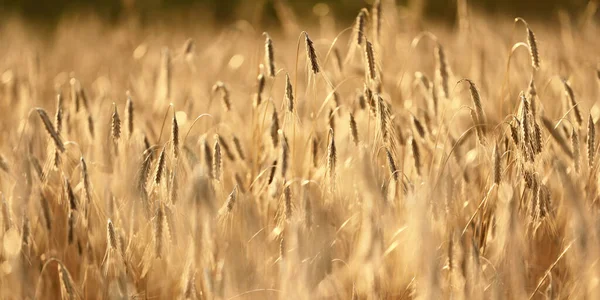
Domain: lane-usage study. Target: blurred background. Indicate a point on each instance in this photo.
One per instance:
(47, 12)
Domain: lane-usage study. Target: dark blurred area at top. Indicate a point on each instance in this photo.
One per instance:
(48, 12)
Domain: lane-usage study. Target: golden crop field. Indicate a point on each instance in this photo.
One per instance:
(389, 158)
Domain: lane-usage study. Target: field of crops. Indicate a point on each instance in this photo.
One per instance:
(387, 158)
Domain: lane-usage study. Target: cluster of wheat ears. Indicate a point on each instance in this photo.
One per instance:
(381, 161)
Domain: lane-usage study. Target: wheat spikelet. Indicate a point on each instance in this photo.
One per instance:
(143, 172)
(50, 129)
(360, 98)
(173, 185)
(90, 123)
(287, 197)
(272, 172)
(111, 236)
(46, 211)
(376, 14)
(58, 117)
(478, 130)
(308, 221)
(571, 96)
(531, 94)
(419, 126)
(73, 83)
(331, 160)
(129, 115)
(359, 25)
(382, 117)
(416, 154)
(67, 288)
(188, 47)
(274, 129)
(69, 195)
(260, 79)
(225, 101)
(238, 147)
(369, 96)
(537, 140)
(576, 151)
(442, 69)
(175, 137)
(158, 230)
(70, 227)
(311, 54)
(370, 60)
(240, 183)
(557, 136)
(314, 150)
(6, 220)
(269, 55)
(535, 56)
(392, 165)
(225, 147)
(160, 167)
(87, 187)
(218, 161)
(208, 157)
(354, 130)
(4, 164)
(477, 104)
(525, 129)
(285, 153)
(331, 119)
(514, 133)
(289, 94)
(591, 141)
(25, 231)
(533, 48)
(115, 129)
(497, 166)
(230, 202)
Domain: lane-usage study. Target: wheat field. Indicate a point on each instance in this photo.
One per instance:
(388, 158)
